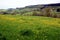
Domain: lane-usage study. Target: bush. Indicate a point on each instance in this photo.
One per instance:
(47, 12)
(35, 13)
(2, 37)
(26, 33)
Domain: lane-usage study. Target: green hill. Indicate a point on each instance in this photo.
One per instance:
(29, 28)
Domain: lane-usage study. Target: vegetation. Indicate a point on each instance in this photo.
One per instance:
(30, 23)
(18, 27)
(34, 10)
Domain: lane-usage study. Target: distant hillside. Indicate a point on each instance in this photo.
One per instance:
(39, 6)
(29, 8)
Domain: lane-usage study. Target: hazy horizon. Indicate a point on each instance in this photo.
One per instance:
(5, 4)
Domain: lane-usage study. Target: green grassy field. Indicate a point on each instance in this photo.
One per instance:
(29, 28)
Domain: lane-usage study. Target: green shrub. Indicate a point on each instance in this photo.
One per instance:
(26, 32)
(2, 37)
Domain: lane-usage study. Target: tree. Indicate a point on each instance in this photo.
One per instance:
(47, 11)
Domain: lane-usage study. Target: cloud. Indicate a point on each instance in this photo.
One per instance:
(22, 3)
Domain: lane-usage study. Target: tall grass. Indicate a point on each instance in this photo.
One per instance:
(29, 28)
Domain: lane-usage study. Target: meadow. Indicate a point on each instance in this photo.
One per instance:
(15, 27)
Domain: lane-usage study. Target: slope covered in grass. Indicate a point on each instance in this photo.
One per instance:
(29, 28)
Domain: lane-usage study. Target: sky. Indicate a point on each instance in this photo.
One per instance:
(5, 4)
